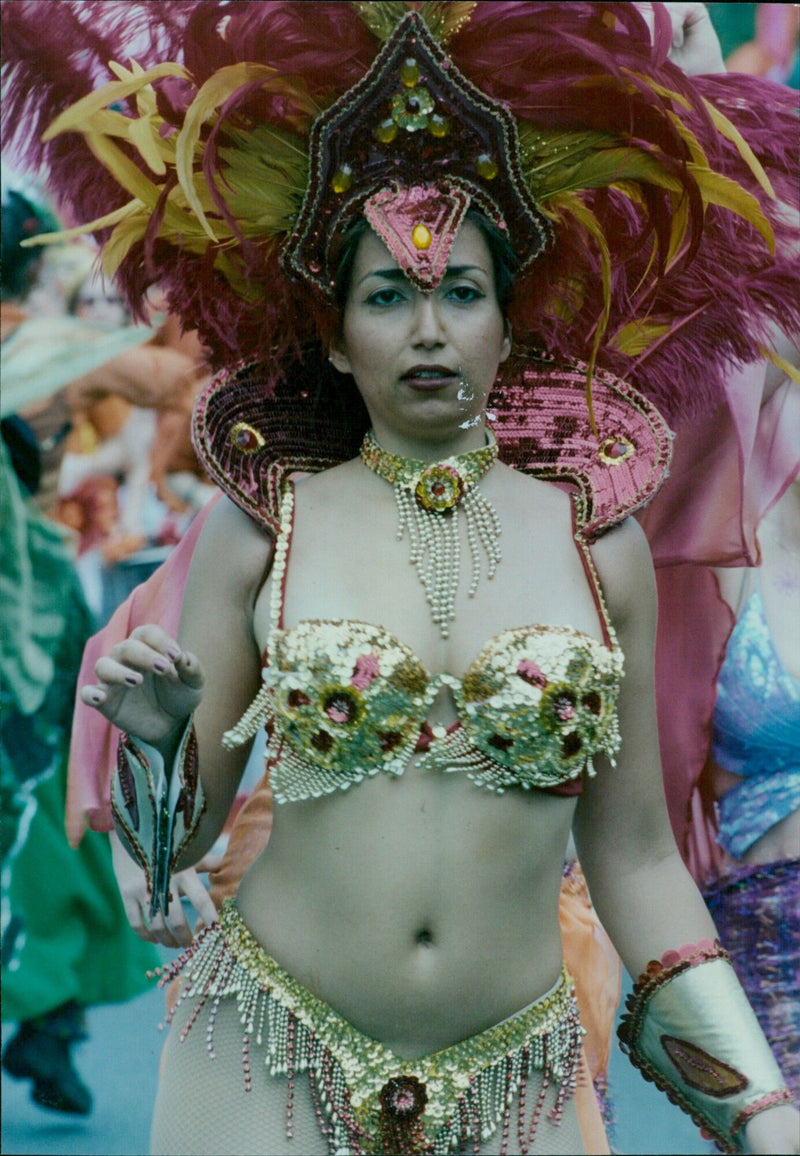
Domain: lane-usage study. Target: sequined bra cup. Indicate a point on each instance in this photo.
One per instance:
(756, 732)
(345, 700)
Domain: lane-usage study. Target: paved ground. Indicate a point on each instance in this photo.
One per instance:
(119, 1062)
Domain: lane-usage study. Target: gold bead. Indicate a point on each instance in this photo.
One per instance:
(386, 131)
(486, 166)
(438, 125)
(342, 179)
(409, 72)
(421, 237)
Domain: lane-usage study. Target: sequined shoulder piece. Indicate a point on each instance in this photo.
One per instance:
(542, 425)
(250, 443)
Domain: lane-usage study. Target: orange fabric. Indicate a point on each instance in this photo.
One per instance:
(248, 838)
(594, 965)
(590, 1122)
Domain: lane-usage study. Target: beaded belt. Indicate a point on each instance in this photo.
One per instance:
(368, 1099)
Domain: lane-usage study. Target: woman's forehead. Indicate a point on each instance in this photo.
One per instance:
(373, 255)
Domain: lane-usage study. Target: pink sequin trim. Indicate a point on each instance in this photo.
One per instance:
(394, 213)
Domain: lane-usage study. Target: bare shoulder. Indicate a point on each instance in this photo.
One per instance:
(530, 498)
(232, 551)
(625, 569)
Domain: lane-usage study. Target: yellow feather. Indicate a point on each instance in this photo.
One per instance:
(266, 173)
(731, 133)
(446, 19)
(635, 337)
(144, 137)
(572, 204)
(80, 230)
(718, 190)
(126, 173)
(122, 240)
(122, 169)
(790, 370)
(381, 16)
(75, 117)
(214, 92)
(659, 89)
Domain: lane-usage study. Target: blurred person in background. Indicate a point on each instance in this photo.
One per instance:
(760, 39)
(728, 687)
(66, 943)
(754, 775)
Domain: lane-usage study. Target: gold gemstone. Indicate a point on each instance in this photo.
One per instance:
(245, 438)
(386, 131)
(409, 73)
(486, 166)
(438, 125)
(421, 237)
(616, 450)
(342, 179)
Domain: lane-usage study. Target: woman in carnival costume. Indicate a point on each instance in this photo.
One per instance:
(399, 188)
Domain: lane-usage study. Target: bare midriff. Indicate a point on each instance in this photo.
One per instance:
(421, 908)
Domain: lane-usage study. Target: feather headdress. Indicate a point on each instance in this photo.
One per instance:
(180, 131)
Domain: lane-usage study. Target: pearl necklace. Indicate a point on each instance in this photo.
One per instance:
(428, 495)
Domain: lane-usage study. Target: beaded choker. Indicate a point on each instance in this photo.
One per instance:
(428, 494)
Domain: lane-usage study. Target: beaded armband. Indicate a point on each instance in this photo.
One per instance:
(690, 1030)
(156, 813)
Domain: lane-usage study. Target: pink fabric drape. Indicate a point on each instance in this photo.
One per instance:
(725, 476)
(93, 749)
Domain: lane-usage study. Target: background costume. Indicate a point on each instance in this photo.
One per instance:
(600, 155)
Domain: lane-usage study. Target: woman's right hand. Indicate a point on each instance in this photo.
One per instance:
(148, 686)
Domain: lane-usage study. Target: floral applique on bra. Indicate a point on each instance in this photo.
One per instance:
(345, 700)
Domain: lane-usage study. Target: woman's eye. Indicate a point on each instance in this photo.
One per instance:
(384, 297)
(465, 294)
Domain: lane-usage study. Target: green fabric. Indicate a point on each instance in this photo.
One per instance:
(735, 24)
(44, 354)
(38, 594)
(65, 933)
(75, 941)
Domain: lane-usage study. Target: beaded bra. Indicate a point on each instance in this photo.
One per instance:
(345, 700)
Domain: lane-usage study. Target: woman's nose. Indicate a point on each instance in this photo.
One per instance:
(428, 327)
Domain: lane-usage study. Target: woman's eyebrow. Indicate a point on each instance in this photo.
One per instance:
(397, 274)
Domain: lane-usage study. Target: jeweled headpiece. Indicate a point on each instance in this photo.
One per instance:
(223, 162)
(411, 146)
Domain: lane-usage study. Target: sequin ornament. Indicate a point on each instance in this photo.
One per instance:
(429, 496)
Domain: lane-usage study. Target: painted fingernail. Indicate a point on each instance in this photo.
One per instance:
(173, 653)
(132, 679)
(97, 697)
(159, 665)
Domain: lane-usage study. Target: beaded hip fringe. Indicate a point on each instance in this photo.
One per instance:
(368, 1099)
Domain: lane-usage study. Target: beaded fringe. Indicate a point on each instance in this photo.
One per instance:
(250, 722)
(457, 753)
(436, 549)
(367, 1100)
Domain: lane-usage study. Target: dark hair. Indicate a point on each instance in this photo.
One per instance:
(21, 218)
(505, 261)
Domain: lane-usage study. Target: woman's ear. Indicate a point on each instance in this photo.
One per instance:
(508, 341)
(338, 358)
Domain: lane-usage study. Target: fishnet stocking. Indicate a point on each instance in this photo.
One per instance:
(202, 1108)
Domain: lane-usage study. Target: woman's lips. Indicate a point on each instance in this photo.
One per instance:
(429, 380)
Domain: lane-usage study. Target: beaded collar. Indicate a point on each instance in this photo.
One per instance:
(429, 495)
